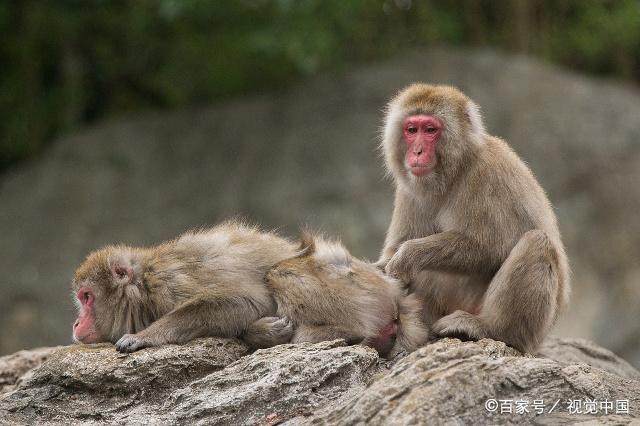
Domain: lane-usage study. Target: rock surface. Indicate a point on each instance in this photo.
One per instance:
(12, 367)
(217, 381)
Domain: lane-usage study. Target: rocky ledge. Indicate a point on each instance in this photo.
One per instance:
(218, 381)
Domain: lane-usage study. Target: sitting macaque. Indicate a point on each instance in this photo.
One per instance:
(212, 283)
(207, 283)
(327, 294)
(472, 233)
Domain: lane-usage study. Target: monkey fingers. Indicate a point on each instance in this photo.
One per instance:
(400, 266)
(131, 343)
(461, 325)
(269, 331)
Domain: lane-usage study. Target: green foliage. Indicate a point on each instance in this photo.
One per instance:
(69, 62)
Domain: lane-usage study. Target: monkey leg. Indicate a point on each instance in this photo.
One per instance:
(199, 317)
(321, 333)
(520, 303)
(412, 331)
(441, 293)
(268, 331)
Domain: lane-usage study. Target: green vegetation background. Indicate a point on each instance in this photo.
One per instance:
(67, 63)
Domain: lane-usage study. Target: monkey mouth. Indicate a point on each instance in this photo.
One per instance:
(420, 169)
(79, 339)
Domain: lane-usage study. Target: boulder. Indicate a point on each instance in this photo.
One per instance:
(218, 381)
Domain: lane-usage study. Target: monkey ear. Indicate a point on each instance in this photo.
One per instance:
(307, 244)
(122, 273)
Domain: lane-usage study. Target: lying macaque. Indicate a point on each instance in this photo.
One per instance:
(207, 283)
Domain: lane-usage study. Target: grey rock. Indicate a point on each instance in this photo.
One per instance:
(449, 383)
(571, 351)
(216, 381)
(14, 366)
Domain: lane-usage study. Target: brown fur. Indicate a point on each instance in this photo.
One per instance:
(327, 294)
(206, 283)
(476, 240)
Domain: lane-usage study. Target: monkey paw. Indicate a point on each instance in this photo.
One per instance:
(276, 326)
(131, 343)
(460, 324)
(269, 331)
(398, 267)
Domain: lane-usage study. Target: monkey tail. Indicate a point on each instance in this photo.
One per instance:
(412, 331)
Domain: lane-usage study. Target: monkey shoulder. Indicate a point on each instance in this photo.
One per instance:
(498, 193)
(500, 175)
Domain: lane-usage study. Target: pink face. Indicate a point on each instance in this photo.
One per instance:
(84, 329)
(421, 133)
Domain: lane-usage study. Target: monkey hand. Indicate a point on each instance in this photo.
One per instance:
(269, 331)
(132, 343)
(401, 264)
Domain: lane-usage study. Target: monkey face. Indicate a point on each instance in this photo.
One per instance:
(103, 293)
(84, 329)
(427, 131)
(421, 133)
(89, 327)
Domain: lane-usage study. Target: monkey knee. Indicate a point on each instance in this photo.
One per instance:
(536, 246)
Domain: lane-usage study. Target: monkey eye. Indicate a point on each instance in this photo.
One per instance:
(412, 129)
(85, 297)
(431, 130)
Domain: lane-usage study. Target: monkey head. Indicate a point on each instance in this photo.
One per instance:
(326, 273)
(427, 130)
(108, 291)
(318, 263)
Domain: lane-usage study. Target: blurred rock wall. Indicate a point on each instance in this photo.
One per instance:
(308, 155)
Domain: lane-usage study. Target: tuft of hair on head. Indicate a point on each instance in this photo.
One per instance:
(323, 250)
(307, 245)
(332, 252)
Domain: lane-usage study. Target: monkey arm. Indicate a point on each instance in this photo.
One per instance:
(446, 251)
(224, 316)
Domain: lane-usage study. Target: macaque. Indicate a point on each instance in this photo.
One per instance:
(207, 283)
(327, 294)
(473, 234)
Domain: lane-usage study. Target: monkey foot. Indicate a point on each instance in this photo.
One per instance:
(131, 343)
(461, 325)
